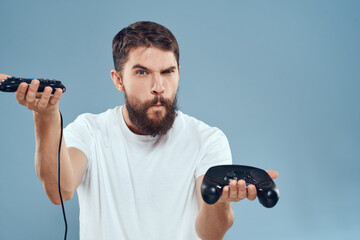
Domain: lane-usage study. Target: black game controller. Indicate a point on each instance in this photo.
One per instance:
(11, 84)
(219, 176)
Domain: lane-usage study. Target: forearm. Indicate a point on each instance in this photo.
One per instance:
(214, 220)
(47, 135)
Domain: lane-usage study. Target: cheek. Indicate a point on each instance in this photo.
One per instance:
(174, 87)
(171, 84)
(136, 88)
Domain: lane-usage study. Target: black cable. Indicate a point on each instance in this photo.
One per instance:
(62, 203)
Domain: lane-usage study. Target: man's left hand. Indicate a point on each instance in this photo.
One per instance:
(237, 190)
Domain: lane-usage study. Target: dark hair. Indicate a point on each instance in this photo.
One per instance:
(142, 34)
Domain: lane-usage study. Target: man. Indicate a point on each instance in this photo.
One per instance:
(137, 168)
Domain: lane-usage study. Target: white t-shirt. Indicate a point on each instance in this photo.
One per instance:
(142, 187)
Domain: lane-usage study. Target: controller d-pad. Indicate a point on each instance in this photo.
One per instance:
(231, 174)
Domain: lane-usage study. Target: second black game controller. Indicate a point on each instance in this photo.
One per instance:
(11, 84)
(219, 176)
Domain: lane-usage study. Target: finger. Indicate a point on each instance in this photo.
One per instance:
(44, 100)
(225, 194)
(3, 76)
(242, 193)
(31, 93)
(272, 174)
(56, 97)
(251, 191)
(233, 190)
(21, 93)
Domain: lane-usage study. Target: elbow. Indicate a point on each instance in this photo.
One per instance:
(57, 201)
(52, 191)
(217, 234)
(215, 237)
(54, 196)
(217, 231)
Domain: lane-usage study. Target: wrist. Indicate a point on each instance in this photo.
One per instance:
(46, 116)
(220, 204)
(218, 207)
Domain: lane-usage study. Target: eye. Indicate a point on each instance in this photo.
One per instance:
(169, 71)
(141, 72)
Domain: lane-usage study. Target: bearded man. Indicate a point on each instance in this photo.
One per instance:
(137, 168)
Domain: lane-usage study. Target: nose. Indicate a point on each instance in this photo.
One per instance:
(158, 87)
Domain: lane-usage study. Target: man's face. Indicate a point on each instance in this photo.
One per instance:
(150, 80)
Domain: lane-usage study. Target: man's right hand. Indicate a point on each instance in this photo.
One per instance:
(27, 96)
(47, 135)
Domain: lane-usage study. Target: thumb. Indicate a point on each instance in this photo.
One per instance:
(273, 174)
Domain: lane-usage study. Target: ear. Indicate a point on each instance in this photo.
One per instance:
(118, 82)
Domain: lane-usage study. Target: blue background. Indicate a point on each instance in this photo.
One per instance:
(280, 78)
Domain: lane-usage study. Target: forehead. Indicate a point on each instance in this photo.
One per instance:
(151, 57)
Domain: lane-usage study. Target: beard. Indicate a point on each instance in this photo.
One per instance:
(159, 124)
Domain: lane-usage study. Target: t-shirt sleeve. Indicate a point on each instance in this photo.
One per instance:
(78, 134)
(216, 151)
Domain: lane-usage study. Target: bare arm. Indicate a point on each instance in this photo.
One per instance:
(72, 161)
(47, 135)
(212, 221)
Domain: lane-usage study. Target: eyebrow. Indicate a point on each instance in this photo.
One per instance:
(139, 66)
(145, 68)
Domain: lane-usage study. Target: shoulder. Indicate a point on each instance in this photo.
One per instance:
(191, 121)
(94, 121)
(93, 118)
(199, 128)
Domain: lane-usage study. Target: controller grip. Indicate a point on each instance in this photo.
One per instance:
(268, 197)
(210, 192)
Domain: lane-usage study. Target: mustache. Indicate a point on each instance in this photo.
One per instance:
(158, 99)
(161, 100)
